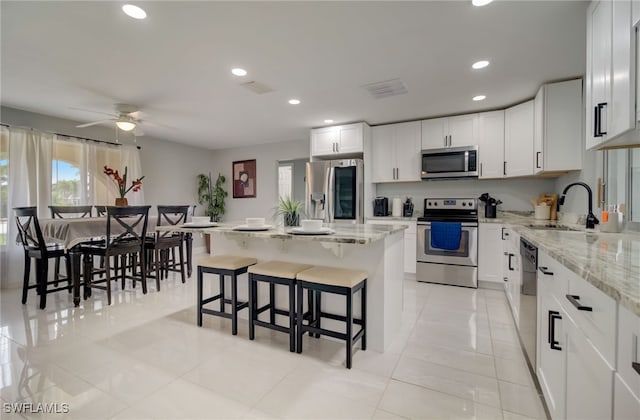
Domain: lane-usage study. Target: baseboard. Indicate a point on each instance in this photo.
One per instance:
(482, 284)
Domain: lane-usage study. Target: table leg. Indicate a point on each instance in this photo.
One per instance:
(75, 256)
(189, 241)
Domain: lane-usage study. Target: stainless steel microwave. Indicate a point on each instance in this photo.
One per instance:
(451, 162)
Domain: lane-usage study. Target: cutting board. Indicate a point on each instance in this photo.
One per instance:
(552, 201)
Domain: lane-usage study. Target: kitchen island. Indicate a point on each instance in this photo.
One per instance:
(377, 249)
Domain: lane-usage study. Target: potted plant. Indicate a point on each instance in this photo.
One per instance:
(212, 196)
(290, 210)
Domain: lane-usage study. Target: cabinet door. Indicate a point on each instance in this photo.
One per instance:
(626, 406)
(409, 252)
(350, 139)
(382, 161)
(538, 131)
(408, 160)
(599, 21)
(323, 141)
(491, 144)
(551, 365)
(434, 132)
(518, 140)
(490, 252)
(462, 130)
(589, 379)
(622, 113)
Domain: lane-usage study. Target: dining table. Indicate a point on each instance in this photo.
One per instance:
(73, 232)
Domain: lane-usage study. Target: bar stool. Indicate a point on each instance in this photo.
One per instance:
(223, 265)
(275, 272)
(339, 281)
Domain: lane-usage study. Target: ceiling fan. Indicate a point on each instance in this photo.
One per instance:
(126, 118)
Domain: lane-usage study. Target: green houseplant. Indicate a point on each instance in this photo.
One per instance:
(212, 195)
(290, 210)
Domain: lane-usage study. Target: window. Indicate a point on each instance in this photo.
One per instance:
(65, 184)
(622, 183)
(285, 175)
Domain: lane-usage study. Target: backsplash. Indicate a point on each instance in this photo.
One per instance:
(514, 193)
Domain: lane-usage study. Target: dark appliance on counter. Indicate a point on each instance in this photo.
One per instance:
(407, 208)
(450, 162)
(490, 205)
(380, 206)
(527, 315)
(437, 262)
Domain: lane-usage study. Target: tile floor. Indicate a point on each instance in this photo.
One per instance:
(456, 356)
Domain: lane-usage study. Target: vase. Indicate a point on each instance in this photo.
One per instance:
(291, 219)
(122, 202)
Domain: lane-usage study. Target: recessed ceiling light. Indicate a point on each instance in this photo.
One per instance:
(480, 64)
(328, 121)
(134, 11)
(294, 101)
(479, 98)
(239, 72)
(480, 2)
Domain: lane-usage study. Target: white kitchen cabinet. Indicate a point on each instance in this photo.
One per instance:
(558, 127)
(490, 252)
(395, 150)
(491, 144)
(338, 140)
(611, 75)
(635, 12)
(449, 132)
(626, 405)
(409, 240)
(628, 350)
(518, 140)
(512, 270)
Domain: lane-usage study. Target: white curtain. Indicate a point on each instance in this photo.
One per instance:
(130, 158)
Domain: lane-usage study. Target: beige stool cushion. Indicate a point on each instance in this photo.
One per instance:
(333, 276)
(282, 269)
(226, 262)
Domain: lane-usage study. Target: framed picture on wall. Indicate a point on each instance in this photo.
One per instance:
(244, 178)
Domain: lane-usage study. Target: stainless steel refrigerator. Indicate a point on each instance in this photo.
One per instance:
(335, 190)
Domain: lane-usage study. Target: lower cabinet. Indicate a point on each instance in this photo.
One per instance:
(627, 379)
(489, 255)
(626, 405)
(512, 271)
(409, 241)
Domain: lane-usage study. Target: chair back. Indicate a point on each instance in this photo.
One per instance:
(192, 210)
(171, 215)
(101, 211)
(129, 219)
(70, 211)
(29, 228)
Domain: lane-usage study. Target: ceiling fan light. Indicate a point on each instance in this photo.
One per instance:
(134, 11)
(125, 125)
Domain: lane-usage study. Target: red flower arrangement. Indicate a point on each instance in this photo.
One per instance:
(121, 181)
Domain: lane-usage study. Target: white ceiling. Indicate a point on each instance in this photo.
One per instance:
(175, 65)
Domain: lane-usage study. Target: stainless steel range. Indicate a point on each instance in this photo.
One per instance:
(438, 263)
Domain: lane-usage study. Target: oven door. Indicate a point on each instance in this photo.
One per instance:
(467, 254)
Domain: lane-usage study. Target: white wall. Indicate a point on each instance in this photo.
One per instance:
(514, 193)
(267, 157)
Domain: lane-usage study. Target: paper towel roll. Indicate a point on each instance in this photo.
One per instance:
(396, 208)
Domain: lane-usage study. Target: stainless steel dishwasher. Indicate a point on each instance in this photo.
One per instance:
(528, 295)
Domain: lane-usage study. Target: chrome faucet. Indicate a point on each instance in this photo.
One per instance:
(592, 220)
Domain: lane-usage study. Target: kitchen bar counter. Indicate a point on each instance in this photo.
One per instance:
(609, 261)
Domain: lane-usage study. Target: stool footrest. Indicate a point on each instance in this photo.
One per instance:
(217, 313)
(211, 299)
(339, 318)
(262, 309)
(271, 326)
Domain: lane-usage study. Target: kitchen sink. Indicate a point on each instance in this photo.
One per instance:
(553, 227)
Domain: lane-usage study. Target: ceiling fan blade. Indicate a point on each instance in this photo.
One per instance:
(94, 123)
(111, 114)
(138, 131)
(135, 115)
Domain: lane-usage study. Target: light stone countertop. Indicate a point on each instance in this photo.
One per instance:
(392, 218)
(360, 234)
(609, 261)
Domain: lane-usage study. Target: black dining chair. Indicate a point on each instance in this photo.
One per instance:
(63, 212)
(101, 211)
(35, 247)
(188, 241)
(125, 234)
(165, 244)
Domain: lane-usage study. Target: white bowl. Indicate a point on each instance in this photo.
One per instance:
(200, 219)
(254, 221)
(311, 224)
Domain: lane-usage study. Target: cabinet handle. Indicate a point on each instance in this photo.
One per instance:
(599, 132)
(636, 367)
(538, 160)
(505, 278)
(333, 147)
(480, 168)
(545, 271)
(553, 344)
(397, 173)
(595, 122)
(338, 147)
(574, 301)
(504, 234)
(504, 168)
(510, 268)
(450, 138)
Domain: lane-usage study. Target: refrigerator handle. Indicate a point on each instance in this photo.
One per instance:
(330, 194)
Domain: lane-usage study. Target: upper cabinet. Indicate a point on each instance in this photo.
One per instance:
(518, 140)
(457, 131)
(395, 152)
(611, 92)
(491, 144)
(338, 140)
(558, 127)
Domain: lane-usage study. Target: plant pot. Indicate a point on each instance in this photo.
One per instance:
(291, 219)
(122, 202)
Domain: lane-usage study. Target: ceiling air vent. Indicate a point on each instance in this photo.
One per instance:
(256, 87)
(386, 88)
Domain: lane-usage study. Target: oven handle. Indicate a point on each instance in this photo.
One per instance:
(464, 224)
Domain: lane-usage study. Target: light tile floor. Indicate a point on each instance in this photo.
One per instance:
(456, 355)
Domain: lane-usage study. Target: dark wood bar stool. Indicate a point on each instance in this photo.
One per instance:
(339, 281)
(223, 265)
(274, 273)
